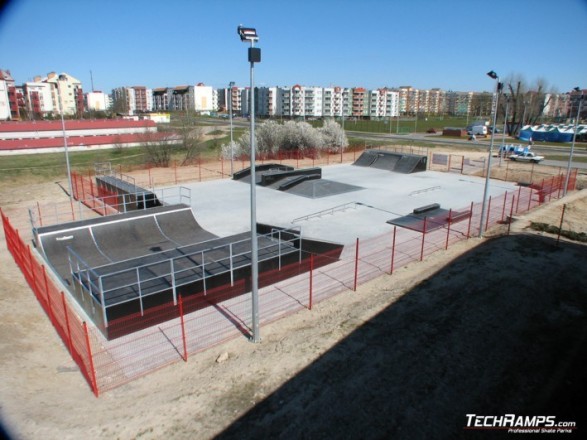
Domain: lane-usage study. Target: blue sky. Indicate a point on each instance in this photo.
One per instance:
(370, 43)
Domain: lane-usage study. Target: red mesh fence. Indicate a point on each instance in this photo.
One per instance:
(171, 332)
(72, 330)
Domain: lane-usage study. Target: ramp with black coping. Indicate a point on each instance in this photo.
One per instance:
(124, 264)
(130, 196)
(428, 218)
(392, 161)
(100, 240)
(304, 182)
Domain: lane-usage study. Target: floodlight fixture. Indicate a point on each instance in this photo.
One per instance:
(247, 33)
(491, 74)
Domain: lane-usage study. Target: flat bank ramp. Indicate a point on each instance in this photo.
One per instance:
(392, 161)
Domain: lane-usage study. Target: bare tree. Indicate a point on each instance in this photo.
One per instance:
(158, 152)
(191, 140)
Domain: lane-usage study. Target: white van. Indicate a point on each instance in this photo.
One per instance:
(478, 130)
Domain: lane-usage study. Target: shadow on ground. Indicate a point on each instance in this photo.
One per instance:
(500, 330)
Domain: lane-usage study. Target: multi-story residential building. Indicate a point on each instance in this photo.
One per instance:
(97, 101)
(132, 100)
(67, 91)
(4, 103)
(360, 107)
(383, 103)
(162, 97)
(313, 102)
(39, 98)
(557, 106)
(436, 102)
(458, 103)
(408, 100)
(284, 104)
(574, 98)
(183, 98)
(143, 99)
(266, 101)
(13, 101)
(205, 98)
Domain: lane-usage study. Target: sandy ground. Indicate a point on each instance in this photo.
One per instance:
(489, 327)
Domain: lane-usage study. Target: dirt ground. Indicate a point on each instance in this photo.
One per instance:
(490, 327)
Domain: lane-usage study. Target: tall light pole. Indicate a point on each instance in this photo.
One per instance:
(65, 146)
(505, 125)
(577, 89)
(342, 124)
(230, 86)
(494, 76)
(250, 35)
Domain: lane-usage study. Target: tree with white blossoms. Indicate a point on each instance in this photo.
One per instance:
(334, 136)
(272, 138)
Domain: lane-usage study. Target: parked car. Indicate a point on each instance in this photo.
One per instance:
(526, 157)
(497, 129)
(431, 130)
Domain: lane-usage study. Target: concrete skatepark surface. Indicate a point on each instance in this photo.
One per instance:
(223, 206)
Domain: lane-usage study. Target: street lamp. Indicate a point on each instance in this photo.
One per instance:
(576, 89)
(250, 35)
(65, 146)
(505, 127)
(230, 86)
(492, 75)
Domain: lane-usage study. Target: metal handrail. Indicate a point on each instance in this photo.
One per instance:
(327, 211)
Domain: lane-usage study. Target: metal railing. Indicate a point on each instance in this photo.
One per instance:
(184, 269)
(329, 211)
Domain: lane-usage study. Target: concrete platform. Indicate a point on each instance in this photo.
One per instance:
(223, 206)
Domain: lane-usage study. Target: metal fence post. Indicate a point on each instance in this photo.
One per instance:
(423, 239)
(560, 227)
(69, 343)
(356, 264)
(93, 381)
(511, 214)
(488, 211)
(311, 282)
(183, 338)
(470, 220)
(448, 228)
(505, 197)
(393, 251)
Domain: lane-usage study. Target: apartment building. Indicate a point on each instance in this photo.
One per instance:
(360, 102)
(67, 93)
(4, 103)
(97, 101)
(458, 103)
(266, 101)
(39, 98)
(11, 97)
(205, 98)
(383, 103)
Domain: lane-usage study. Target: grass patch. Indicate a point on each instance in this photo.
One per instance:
(550, 229)
(580, 159)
